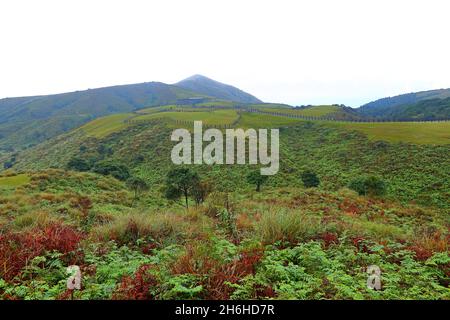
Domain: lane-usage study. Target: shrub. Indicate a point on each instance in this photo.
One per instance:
(138, 185)
(79, 164)
(117, 170)
(310, 179)
(17, 249)
(255, 177)
(370, 185)
(137, 287)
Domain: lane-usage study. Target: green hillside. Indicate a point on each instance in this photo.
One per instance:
(27, 121)
(339, 151)
(425, 105)
(288, 241)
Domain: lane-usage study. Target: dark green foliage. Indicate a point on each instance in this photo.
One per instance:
(181, 182)
(117, 170)
(371, 185)
(138, 185)
(79, 164)
(255, 177)
(310, 179)
(427, 105)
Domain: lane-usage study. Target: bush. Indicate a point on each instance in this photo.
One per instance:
(78, 164)
(117, 170)
(255, 177)
(310, 179)
(368, 186)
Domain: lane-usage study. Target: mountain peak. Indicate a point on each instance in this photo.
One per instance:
(216, 89)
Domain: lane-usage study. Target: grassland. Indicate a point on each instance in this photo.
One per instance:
(104, 126)
(314, 111)
(256, 120)
(412, 132)
(14, 181)
(216, 117)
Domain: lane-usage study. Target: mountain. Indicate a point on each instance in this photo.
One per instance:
(209, 87)
(424, 105)
(26, 121)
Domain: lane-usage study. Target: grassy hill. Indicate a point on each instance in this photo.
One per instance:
(26, 121)
(287, 241)
(425, 105)
(212, 88)
(339, 151)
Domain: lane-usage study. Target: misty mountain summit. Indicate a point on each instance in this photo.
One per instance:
(209, 87)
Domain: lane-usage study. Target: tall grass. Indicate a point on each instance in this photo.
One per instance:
(287, 225)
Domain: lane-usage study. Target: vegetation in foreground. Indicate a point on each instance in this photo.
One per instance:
(280, 243)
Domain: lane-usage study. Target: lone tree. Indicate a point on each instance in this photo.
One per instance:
(368, 186)
(181, 182)
(255, 177)
(200, 191)
(310, 179)
(138, 185)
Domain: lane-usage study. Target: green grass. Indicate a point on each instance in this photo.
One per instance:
(315, 111)
(255, 120)
(413, 132)
(103, 127)
(270, 106)
(14, 181)
(217, 117)
(156, 109)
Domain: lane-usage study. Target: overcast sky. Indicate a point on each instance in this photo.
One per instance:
(297, 52)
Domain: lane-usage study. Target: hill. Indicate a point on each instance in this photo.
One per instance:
(425, 105)
(287, 241)
(26, 121)
(209, 87)
(30, 120)
(338, 151)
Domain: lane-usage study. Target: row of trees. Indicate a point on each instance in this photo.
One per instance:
(185, 183)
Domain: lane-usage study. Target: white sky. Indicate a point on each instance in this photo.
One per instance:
(297, 52)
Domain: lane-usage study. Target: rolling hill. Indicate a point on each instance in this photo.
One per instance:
(212, 88)
(425, 105)
(336, 150)
(26, 121)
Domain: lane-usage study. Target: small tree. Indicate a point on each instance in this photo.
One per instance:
(310, 179)
(256, 178)
(179, 182)
(138, 185)
(200, 191)
(370, 185)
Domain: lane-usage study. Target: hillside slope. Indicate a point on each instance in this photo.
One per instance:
(412, 172)
(209, 87)
(425, 105)
(30, 120)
